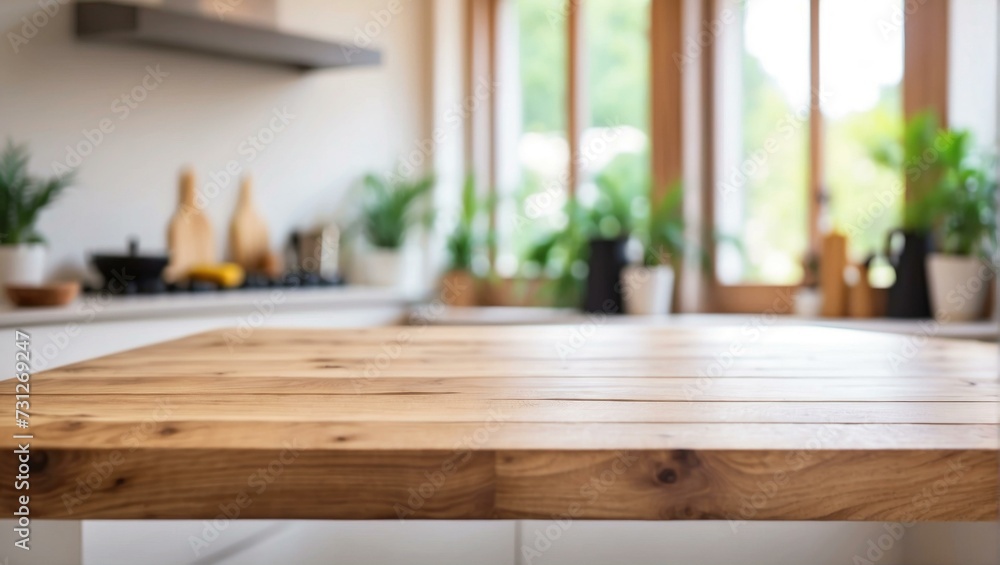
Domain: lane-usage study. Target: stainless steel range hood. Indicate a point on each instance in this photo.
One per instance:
(214, 35)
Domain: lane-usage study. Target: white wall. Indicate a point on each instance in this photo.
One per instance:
(347, 122)
(972, 57)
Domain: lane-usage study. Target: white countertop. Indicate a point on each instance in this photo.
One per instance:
(101, 308)
(985, 330)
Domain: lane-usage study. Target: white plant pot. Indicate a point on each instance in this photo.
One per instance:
(808, 302)
(958, 286)
(22, 264)
(647, 291)
(384, 267)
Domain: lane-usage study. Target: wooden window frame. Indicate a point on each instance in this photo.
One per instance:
(924, 85)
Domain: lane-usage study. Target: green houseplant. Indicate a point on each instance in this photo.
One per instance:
(965, 236)
(595, 238)
(562, 257)
(22, 198)
(621, 192)
(923, 155)
(458, 282)
(390, 209)
(648, 286)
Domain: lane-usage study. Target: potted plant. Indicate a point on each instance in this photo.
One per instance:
(611, 221)
(22, 198)
(922, 157)
(959, 271)
(389, 210)
(562, 255)
(458, 282)
(648, 287)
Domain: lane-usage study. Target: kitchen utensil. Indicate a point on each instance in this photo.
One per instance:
(189, 235)
(608, 258)
(59, 294)
(131, 273)
(248, 241)
(318, 251)
(831, 275)
(908, 297)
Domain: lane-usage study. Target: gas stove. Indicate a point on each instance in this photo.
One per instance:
(252, 282)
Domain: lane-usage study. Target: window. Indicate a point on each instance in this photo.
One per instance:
(769, 182)
(534, 54)
(782, 113)
(534, 153)
(861, 76)
(617, 55)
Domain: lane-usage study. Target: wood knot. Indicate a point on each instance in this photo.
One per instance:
(685, 457)
(668, 476)
(38, 462)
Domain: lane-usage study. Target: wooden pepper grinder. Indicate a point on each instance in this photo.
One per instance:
(831, 275)
(248, 241)
(189, 234)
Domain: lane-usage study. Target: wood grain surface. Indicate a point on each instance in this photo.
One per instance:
(590, 422)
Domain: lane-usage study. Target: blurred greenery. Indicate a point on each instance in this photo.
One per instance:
(390, 208)
(471, 235)
(968, 218)
(617, 33)
(769, 235)
(774, 224)
(23, 196)
(952, 188)
(542, 39)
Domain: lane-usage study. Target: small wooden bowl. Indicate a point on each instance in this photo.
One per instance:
(59, 294)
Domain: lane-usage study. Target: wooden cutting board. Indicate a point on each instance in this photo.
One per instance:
(248, 241)
(189, 235)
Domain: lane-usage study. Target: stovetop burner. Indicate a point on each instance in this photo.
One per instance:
(158, 286)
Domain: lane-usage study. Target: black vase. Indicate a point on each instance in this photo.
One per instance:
(908, 296)
(604, 288)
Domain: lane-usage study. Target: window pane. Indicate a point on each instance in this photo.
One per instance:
(534, 43)
(617, 43)
(762, 189)
(861, 63)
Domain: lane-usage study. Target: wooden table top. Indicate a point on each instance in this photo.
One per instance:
(597, 421)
